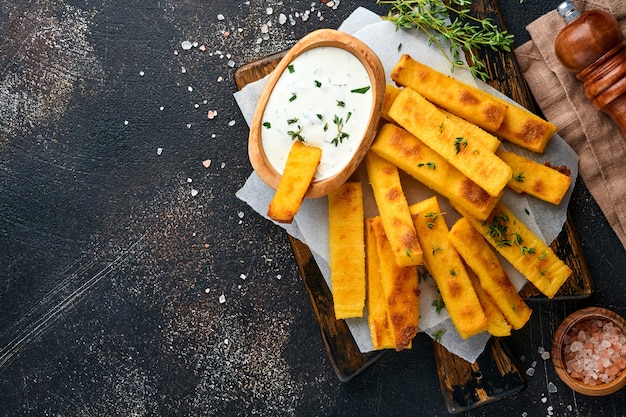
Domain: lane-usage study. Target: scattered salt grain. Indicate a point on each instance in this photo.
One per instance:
(269, 10)
(141, 73)
(194, 192)
(220, 79)
(282, 19)
(206, 163)
(207, 290)
(183, 70)
(545, 355)
(223, 165)
(195, 106)
(195, 44)
(186, 45)
(222, 299)
(189, 180)
(190, 88)
(544, 400)
(211, 114)
(188, 125)
(240, 214)
(279, 276)
(530, 371)
(159, 151)
(552, 388)
(231, 123)
(220, 17)
(125, 122)
(202, 48)
(161, 108)
(243, 276)
(225, 341)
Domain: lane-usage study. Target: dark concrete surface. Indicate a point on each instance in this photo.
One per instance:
(134, 283)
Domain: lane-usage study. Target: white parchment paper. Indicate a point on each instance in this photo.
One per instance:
(311, 222)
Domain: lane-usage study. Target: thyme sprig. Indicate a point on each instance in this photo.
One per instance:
(449, 23)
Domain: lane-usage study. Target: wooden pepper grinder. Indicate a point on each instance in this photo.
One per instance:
(592, 46)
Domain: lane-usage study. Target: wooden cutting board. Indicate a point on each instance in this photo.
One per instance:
(494, 375)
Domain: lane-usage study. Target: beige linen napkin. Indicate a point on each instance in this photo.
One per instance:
(598, 142)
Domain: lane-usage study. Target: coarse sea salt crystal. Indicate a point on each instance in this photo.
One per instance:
(186, 45)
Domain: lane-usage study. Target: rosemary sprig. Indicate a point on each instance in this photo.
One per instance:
(445, 24)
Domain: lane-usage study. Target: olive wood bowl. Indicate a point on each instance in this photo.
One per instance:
(558, 345)
(376, 73)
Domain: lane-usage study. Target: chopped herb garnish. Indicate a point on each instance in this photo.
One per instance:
(441, 127)
(438, 335)
(341, 135)
(318, 84)
(296, 135)
(519, 177)
(430, 165)
(543, 256)
(453, 272)
(436, 249)
(293, 97)
(438, 304)
(291, 69)
(361, 90)
(320, 116)
(460, 143)
(267, 125)
(408, 252)
(433, 216)
(325, 126)
(341, 103)
(292, 121)
(399, 47)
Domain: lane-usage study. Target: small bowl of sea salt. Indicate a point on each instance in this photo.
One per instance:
(589, 351)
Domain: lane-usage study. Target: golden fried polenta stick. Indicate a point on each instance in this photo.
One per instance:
(347, 250)
(448, 270)
(377, 314)
(481, 259)
(533, 178)
(451, 140)
(523, 249)
(391, 91)
(399, 285)
(300, 168)
(496, 322)
(394, 210)
(411, 155)
(525, 129)
(464, 100)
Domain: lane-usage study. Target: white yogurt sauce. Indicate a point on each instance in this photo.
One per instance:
(324, 97)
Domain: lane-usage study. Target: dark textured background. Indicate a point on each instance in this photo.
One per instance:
(112, 268)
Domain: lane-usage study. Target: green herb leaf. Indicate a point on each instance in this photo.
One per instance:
(291, 69)
(268, 125)
(361, 90)
(450, 26)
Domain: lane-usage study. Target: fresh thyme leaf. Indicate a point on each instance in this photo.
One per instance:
(291, 69)
(267, 125)
(341, 103)
(460, 143)
(318, 84)
(438, 335)
(296, 134)
(292, 121)
(449, 26)
(519, 177)
(361, 90)
(438, 304)
(429, 165)
(293, 97)
(320, 116)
